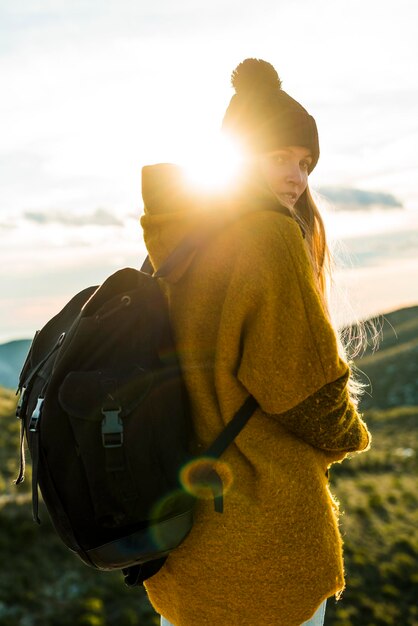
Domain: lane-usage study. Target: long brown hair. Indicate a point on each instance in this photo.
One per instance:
(354, 338)
(308, 214)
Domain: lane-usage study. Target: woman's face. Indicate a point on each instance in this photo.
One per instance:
(286, 172)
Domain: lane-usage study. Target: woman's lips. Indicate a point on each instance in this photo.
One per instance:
(288, 197)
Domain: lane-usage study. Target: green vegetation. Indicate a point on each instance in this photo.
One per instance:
(378, 494)
(43, 584)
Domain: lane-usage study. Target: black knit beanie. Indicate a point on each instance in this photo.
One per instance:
(263, 116)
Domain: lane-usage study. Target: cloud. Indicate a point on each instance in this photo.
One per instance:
(100, 217)
(358, 199)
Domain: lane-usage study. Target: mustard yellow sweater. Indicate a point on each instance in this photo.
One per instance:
(248, 319)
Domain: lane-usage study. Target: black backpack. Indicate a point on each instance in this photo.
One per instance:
(106, 417)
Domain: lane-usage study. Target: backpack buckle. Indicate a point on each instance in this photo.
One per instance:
(112, 428)
(35, 417)
(21, 405)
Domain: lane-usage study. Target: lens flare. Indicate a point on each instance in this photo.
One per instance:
(215, 167)
(205, 478)
(175, 502)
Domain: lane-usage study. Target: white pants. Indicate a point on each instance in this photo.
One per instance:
(316, 620)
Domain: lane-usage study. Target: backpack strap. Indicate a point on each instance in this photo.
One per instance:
(233, 428)
(146, 266)
(205, 474)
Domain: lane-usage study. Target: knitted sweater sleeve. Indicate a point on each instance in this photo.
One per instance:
(328, 419)
(290, 360)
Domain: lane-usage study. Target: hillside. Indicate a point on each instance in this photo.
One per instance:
(12, 356)
(378, 494)
(43, 584)
(391, 373)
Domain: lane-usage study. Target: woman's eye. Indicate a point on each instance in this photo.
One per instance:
(305, 165)
(278, 159)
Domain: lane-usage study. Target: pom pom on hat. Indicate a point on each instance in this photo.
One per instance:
(265, 118)
(255, 75)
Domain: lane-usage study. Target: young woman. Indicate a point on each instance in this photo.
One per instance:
(249, 313)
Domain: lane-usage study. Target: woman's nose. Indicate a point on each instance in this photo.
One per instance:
(294, 174)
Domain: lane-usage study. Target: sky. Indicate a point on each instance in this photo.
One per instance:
(92, 90)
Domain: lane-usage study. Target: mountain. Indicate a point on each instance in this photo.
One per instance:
(347, 198)
(390, 373)
(12, 357)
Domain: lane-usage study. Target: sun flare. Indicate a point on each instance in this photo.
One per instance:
(214, 166)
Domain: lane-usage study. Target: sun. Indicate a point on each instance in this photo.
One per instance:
(213, 166)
